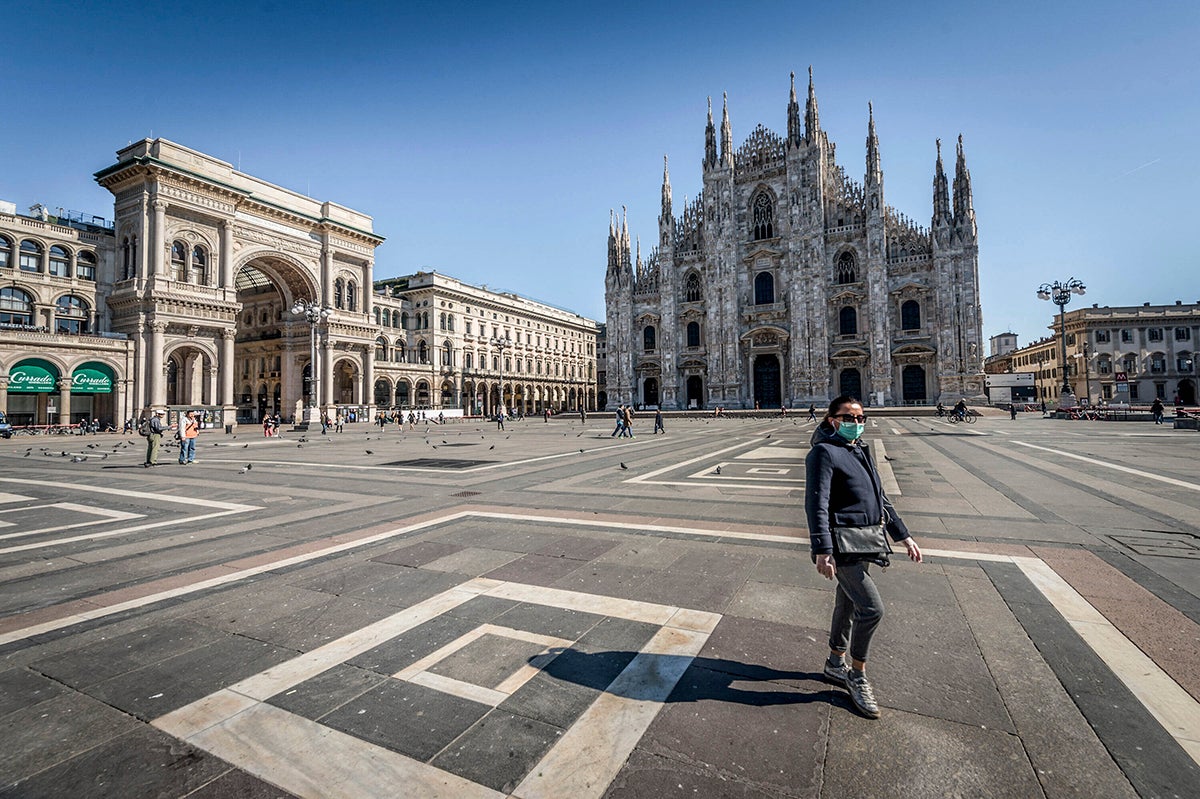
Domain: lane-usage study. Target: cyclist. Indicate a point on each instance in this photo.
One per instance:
(960, 409)
(941, 410)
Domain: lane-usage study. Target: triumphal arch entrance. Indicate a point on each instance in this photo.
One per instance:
(210, 263)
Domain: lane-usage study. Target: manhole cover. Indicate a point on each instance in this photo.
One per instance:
(1160, 547)
(438, 463)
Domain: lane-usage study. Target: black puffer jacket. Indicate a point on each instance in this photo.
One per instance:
(843, 489)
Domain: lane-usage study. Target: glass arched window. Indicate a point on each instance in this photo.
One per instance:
(59, 261)
(442, 321)
(764, 288)
(380, 317)
(400, 351)
(71, 315)
(848, 321)
(691, 288)
(352, 296)
(1130, 364)
(31, 256)
(846, 271)
(178, 261)
(910, 315)
(450, 322)
(381, 349)
(468, 360)
(16, 307)
(693, 334)
(1183, 362)
(85, 266)
(199, 271)
(763, 213)
(648, 338)
(422, 352)
(5, 252)
(339, 294)
(447, 354)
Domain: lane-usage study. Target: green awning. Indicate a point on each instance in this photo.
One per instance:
(92, 378)
(33, 376)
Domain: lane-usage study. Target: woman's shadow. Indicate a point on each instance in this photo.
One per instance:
(694, 678)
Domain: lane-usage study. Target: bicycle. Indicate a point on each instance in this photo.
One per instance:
(969, 417)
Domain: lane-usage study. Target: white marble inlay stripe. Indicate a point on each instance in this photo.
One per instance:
(585, 603)
(105, 515)
(1114, 466)
(588, 756)
(313, 761)
(459, 688)
(6, 498)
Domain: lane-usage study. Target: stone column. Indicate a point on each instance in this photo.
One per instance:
(4, 397)
(368, 300)
(156, 394)
(226, 255)
(64, 400)
(368, 376)
(226, 367)
(158, 245)
(326, 359)
(326, 297)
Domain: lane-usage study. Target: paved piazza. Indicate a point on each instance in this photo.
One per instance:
(462, 612)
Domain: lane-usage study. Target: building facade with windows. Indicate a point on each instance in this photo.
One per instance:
(186, 300)
(1119, 354)
(785, 282)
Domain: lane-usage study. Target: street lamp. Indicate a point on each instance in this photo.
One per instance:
(315, 313)
(1060, 294)
(502, 344)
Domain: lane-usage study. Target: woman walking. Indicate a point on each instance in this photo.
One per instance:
(846, 508)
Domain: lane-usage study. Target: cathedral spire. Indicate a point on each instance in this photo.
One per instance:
(640, 266)
(941, 191)
(873, 171)
(613, 260)
(812, 122)
(666, 191)
(726, 133)
(710, 140)
(794, 136)
(964, 205)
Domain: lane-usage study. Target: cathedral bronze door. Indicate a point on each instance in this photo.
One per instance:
(695, 392)
(850, 383)
(912, 380)
(766, 382)
(650, 391)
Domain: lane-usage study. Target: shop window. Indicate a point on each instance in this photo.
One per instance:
(59, 261)
(16, 307)
(71, 315)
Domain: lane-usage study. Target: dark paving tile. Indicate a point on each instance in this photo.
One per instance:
(764, 732)
(577, 548)
(330, 689)
(649, 776)
(473, 561)
(715, 564)
(310, 627)
(547, 620)
(419, 554)
(955, 685)
(161, 687)
(102, 660)
(617, 634)
(38, 736)
(412, 645)
(606, 579)
(20, 688)
(498, 751)
(239, 785)
(535, 570)
(750, 646)
(522, 541)
(689, 591)
(552, 700)
(487, 661)
(483, 608)
(141, 763)
(406, 587)
(797, 570)
(344, 577)
(590, 669)
(942, 758)
(410, 719)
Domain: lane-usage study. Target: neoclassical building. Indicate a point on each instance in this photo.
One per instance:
(186, 301)
(786, 282)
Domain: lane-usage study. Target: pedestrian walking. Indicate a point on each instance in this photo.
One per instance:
(812, 412)
(500, 414)
(620, 421)
(154, 428)
(1156, 410)
(582, 414)
(189, 431)
(627, 427)
(268, 423)
(848, 517)
(546, 416)
(1012, 411)
(658, 423)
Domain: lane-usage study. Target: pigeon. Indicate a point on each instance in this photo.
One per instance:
(370, 452)
(493, 446)
(244, 469)
(444, 441)
(718, 470)
(245, 445)
(580, 452)
(623, 466)
(299, 446)
(78, 459)
(26, 455)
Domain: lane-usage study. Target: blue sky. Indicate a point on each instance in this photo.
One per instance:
(489, 141)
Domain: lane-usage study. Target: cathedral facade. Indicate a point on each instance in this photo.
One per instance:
(786, 282)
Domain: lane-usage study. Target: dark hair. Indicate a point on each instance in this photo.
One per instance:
(838, 402)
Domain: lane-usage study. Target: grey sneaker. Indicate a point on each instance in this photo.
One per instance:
(836, 674)
(861, 693)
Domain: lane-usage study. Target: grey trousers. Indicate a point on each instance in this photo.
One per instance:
(857, 610)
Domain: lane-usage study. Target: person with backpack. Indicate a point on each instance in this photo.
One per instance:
(189, 431)
(153, 429)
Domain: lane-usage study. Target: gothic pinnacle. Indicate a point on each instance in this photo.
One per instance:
(812, 121)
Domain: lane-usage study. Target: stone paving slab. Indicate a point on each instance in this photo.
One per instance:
(986, 690)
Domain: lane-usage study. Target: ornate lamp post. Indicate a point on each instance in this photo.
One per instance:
(1060, 294)
(315, 313)
(502, 344)
(1087, 372)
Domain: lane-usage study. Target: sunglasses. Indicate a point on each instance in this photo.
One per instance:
(849, 417)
